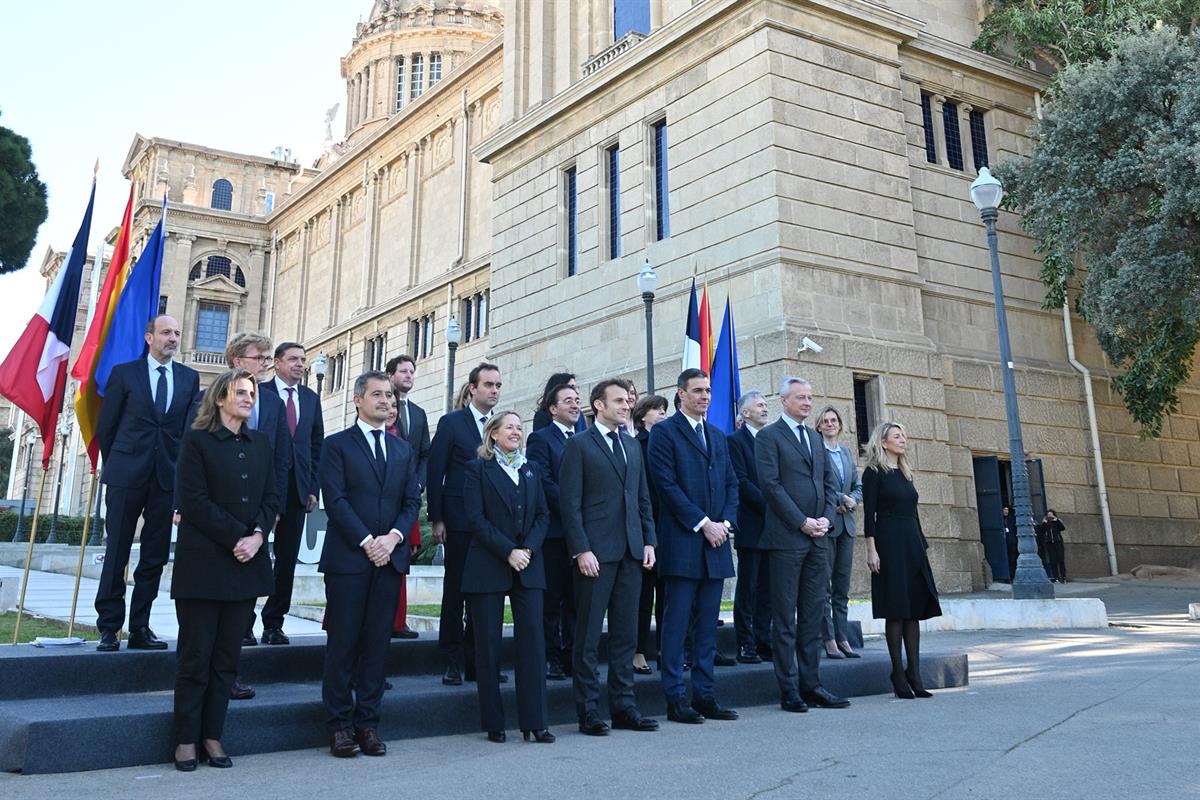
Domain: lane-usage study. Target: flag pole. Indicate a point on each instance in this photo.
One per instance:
(83, 540)
(29, 556)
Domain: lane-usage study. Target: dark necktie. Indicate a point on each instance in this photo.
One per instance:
(291, 410)
(403, 420)
(568, 434)
(160, 394)
(379, 459)
(700, 436)
(618, 451)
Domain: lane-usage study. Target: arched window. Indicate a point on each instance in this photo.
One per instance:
(194, 275)
(239, 277)
(218, 265)
(222, 195)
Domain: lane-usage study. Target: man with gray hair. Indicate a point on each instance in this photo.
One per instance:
(752, 599)
(801, 490)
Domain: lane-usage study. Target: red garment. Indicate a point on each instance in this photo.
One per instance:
(400, 622)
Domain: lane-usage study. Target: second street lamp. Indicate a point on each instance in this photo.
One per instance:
(319, 365)
(647, 281)
(64, 430)
(453, 337)
(1030, 582)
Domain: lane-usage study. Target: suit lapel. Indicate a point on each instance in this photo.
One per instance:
(689, 433)
(357, 436)
(500, 481)
(177, 382)
(790, 433)
(603, 444)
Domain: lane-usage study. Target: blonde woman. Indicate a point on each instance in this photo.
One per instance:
(507, 515)
(902, 587)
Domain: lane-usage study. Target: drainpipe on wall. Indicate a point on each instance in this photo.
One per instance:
(464, 152)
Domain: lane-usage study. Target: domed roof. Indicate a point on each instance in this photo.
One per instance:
(393, 14)
(386, 9)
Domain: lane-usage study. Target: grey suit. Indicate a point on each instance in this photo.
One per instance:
(605, 510)
(797, 482)
(834, 625)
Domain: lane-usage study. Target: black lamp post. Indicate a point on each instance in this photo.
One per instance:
(64, 430)
(319, 365)
(1030, 582)
(31, 440)
(453, 338)
(647, 281)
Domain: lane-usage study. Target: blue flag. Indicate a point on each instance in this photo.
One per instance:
(137, 305)
(725, 381)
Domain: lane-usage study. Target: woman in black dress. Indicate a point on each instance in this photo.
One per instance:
(902, 588)
(227, 502)
(508, 517)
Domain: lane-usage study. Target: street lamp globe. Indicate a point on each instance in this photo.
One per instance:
(453, 332)
(319, 365)
(986, 191)
(647, 279)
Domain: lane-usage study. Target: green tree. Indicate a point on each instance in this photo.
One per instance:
(1113, 183)
(22, 200)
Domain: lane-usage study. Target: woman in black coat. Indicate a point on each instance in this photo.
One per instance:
(227, 503)
(902, 588)
(508, 518)
(647, 412)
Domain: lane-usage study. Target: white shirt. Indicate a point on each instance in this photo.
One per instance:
(567, 432)
(283, 395)
(512, 472)
(801, 434)
(476, 414)
(370, 437)
(753, 430)
(153, 366)
(605, 431)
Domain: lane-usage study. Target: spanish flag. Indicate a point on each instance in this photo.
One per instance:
(706, 342)
(87, 397)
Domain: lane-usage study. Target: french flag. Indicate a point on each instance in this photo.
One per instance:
(691, 335)
(34, 375)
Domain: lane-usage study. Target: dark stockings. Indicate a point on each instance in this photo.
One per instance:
(908, 633)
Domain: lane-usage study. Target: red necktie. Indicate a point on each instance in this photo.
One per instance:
(291, 410)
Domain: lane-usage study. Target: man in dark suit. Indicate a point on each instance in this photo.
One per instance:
(455, 443)
(372, 495)
(697, 509)
(146, 405)
(545, 448)
(752, 598)
(306, 429)
(801, 489)
(413, 427)
(604, 501)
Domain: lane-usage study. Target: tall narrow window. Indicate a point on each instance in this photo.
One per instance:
(954, 153)
(399, 82)
(662, 211)
(481, 314)
(222, 195)
(212, 326)
(162, 304)
(414, 338)
(630, 15)
(570, 207)
(427, 336)
(417, 82)
(978, 140)
(614, 201)
(435, 68)
(866, 408)
(927, 121)
(467, 305)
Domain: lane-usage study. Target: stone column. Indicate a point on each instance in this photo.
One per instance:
(366, 283)
(256, 279)
(964, 135)
(335, 243)
(936, 103)
(302, 316)
(414, 199)
(176, 286)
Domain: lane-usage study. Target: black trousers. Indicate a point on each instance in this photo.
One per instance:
(752, 600)
(650, 603)
(359, 611)
(835, 622)
(487, 611)
(288, 532)
(153, 505)
(210, 643)
(799, 586)
(559, 609)
(614, 592)
(1056, 561)
(455, 634)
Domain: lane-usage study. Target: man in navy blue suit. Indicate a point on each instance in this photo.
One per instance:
(456, 442)
(545, 447)
(698, 503)
(306, 434)
(147, 403)
(752, 598)
(372, 496)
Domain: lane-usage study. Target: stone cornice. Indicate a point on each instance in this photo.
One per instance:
(142, 143)
(964, 57)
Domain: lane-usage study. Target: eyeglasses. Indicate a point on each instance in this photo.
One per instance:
(259, 359)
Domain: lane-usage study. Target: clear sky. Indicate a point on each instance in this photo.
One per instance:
(79, 79)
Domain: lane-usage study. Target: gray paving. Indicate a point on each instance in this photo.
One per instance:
(1049, 714)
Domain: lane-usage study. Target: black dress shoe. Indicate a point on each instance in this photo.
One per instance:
(369, 742)
(709, 708)
(273, 636)
(249, 641)
(452, 677)
(144, 639)
(241, 691)
(554, 671)
(678, 712)
(642, 670)
(592, 725)
(846, 651)
(499, 737)
(110, 644)
(542, 736)
(821, 697)
(722, 660)
(387, 686)
(220, 762)
(914, 682)
(748, 655)
(187, 765)
(502, 677)
(793, 704)
(406, 633)
(687, 666)
(632, 720)
(834, 654)
(765, 653)
(342, 745)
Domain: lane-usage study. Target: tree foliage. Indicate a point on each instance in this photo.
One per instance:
(1060, 33)
(1114, 181)
(22, 201)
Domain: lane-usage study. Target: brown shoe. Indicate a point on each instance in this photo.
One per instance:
(370, 743)
(342, 745)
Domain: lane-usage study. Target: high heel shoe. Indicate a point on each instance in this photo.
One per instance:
(187, 765)
(220, 762)
(542, 736)
(900, 686)
(846, 651)
(498, 737)
(914, 682)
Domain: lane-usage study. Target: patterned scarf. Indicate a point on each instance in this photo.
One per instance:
(515, 459)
